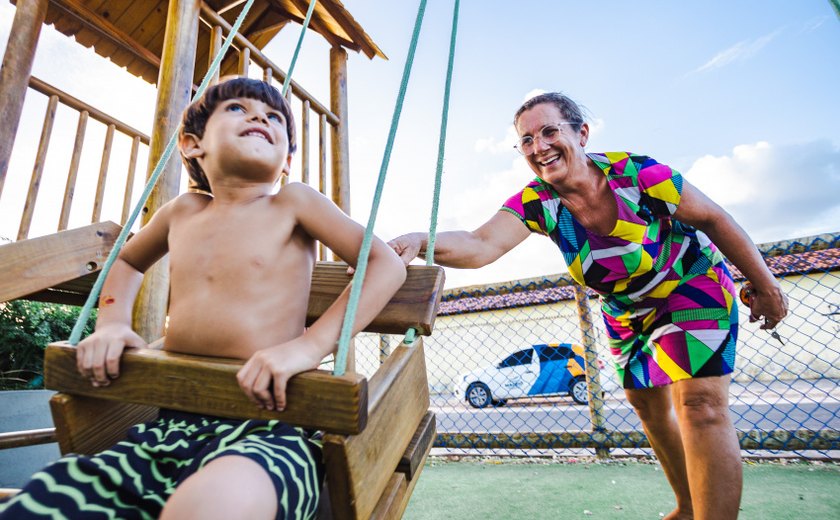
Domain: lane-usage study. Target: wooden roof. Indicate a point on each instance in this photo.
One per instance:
(130, 32)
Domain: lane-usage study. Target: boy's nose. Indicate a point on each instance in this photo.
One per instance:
(260, 116)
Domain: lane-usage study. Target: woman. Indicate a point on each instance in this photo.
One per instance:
(652, 245)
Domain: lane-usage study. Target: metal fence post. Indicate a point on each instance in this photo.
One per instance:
(593, 378)
(384, 347)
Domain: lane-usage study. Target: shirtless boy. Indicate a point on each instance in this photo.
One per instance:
(240, 265)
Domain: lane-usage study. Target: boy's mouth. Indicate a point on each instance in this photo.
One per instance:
(258, 132)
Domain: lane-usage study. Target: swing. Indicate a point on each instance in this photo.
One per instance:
(378, 431)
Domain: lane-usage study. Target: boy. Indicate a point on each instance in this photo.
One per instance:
(240, 265)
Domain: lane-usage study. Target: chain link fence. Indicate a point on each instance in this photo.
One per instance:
(525, 366)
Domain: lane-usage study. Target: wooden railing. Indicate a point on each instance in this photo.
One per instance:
(86, 112)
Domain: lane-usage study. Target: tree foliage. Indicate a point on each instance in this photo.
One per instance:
(25, 330)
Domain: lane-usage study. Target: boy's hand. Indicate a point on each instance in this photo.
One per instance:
(263, 378)
(98, 355)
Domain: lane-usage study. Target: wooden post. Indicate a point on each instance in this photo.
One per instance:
(215, 47)
(244, 61)
(15, 72)
(593, 380)
(129, 180)
(303, 144)
(70, 187)
(103, 175)
(340, 139)
(322, 171)
(38, 169)
(175, 82)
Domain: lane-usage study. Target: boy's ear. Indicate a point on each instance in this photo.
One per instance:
(190, 146)
(287, 167)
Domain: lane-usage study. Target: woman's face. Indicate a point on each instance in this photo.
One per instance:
(552, 160)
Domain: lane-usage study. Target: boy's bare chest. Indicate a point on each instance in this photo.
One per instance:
(221, 247)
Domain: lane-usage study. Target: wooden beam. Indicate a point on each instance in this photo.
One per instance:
(340, 135)
(102, 26)
(207, 385)
(26, 438)
(15, 72)
(88, 425)
(174, 90)
(317, 23)
(38, 263)
(80, 106)
(38, 169)
(73, 172)
(359, 466)
(421, 443)
(413, 306)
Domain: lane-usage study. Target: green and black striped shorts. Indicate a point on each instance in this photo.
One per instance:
(135, 478)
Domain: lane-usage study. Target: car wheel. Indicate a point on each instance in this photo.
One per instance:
(478, 395)
(578, 390)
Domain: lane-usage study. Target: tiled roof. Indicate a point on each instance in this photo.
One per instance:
(555, 288)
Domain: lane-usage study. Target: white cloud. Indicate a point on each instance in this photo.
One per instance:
(775, 192)
(741, 51)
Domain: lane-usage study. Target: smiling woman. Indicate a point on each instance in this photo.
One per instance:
(652, 246)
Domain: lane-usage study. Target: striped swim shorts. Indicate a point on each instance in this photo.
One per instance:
(135, 478)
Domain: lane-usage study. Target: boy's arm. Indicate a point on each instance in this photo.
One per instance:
(271, 368)
(98, 355)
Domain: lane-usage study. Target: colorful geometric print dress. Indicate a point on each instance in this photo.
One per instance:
(667, 298)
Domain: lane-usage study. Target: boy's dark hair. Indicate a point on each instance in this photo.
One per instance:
(196, 116)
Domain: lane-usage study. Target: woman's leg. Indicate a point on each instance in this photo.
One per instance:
(654, 408)
(228, 487)
(712, 451)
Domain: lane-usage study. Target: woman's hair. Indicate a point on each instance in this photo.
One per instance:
(196, 116)
(571, 111)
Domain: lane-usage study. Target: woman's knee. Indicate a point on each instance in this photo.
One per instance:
(703, 403)
(650, 404)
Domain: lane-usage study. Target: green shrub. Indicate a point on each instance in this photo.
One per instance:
(25, 330)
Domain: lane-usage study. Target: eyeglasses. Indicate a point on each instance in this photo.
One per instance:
(547, 134)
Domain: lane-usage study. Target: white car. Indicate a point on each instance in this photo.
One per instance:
(539, 370)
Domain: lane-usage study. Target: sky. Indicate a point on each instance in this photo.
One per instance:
(741, 97)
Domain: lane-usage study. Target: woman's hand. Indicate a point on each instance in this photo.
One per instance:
(264, 377)
(408, 246)
(98, 355)
(770, 304)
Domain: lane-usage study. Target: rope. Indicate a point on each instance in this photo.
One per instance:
(288, 80)
(411, 334)
(361, 264)
(84, 315)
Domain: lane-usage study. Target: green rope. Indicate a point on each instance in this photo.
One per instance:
(411, 334)
(78, 328)
(430, 245)
(297, 49)
(361, 264)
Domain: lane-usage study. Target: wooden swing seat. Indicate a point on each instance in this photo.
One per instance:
(377, 432)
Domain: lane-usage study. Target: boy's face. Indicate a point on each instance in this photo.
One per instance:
(244, 137)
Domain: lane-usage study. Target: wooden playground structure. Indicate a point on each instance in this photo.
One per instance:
(380, 431)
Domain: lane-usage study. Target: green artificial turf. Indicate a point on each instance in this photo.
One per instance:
(627, 489)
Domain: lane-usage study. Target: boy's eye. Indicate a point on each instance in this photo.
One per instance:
(276, 117)
(234, 107)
